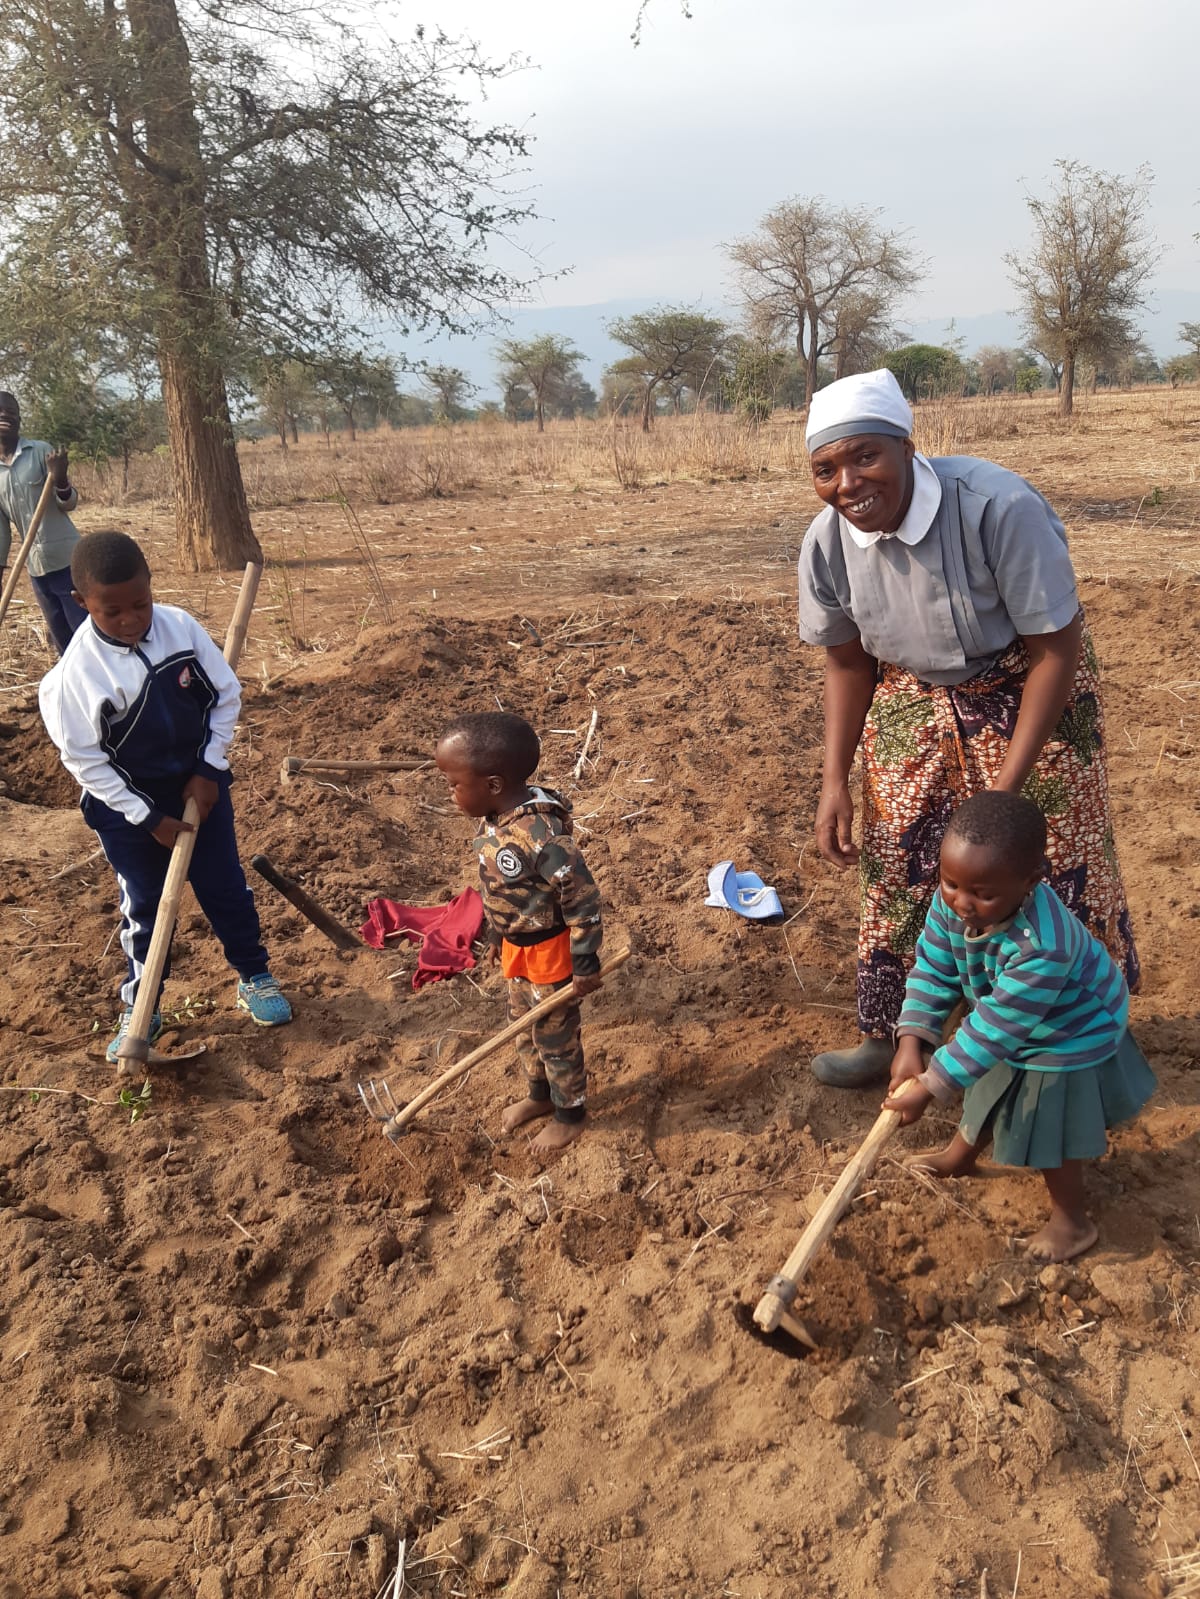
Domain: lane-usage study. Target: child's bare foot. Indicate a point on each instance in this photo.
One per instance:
(956, 1160)
(1063, 1237)
(525, 1110)
(557, 1135)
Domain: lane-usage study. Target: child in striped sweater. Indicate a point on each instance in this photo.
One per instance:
(1044, 1052)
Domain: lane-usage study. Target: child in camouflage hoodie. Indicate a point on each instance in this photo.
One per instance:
(542, 904)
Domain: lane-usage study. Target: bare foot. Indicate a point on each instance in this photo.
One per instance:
(525, 1110)
(1063, 1237)
(956, 1160)
(557, 1135)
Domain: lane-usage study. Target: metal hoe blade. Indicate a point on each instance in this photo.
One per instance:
(381, 1106)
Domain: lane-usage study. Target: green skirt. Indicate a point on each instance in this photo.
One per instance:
(1039, 1119)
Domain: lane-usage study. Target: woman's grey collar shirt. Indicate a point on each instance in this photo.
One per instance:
(944, 601)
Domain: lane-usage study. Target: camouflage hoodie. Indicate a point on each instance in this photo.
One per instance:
(535, 882)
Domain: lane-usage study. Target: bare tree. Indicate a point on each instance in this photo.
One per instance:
(862, 332)
(244, 176)
(540, 364)
(997, 368)
(1086, 272)
(811, 263)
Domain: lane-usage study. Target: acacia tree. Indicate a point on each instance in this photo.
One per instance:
(450, 387)
(826, 277)
(230, 184)
(283, 390)
(670, 346)
(356, 383)
(1086, 271)
(541, 365)
(1189, 332)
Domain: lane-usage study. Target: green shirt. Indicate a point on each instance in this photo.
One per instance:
(21, 481)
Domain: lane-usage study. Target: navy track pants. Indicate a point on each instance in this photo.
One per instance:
(217, 879)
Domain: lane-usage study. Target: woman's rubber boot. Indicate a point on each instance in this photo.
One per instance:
(868, 1063)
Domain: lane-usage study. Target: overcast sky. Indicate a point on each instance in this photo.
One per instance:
(646, 159)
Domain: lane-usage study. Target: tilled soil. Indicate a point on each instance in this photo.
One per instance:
(250, 1348)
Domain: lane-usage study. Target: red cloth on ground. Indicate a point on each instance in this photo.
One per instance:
(445, 932)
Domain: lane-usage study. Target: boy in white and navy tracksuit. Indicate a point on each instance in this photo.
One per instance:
(143, 716)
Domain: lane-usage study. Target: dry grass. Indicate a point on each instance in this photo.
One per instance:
(409, 465)
(487, 517)
(1181, 1573)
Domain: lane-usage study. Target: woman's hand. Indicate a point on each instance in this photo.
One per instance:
(835, 818)
(1049, 684)
(849, 687)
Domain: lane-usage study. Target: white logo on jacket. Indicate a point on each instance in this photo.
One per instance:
(509, 862)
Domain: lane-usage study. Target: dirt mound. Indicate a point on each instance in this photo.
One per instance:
(248, 1346)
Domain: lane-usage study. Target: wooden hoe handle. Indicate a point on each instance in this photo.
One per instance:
(776, 1302)
(22, 555)
(334, 931)
(135, 1046)
(296, 765)
(523, 1023)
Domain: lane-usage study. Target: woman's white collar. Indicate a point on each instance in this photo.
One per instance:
(922, 508)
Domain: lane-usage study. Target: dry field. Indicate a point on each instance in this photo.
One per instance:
(249, 1349)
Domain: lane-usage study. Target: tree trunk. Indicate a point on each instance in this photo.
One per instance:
(212, 519)
(1066, 390)
(166, 228)
(810, 366)
(541, 417)
(295, 428)
(350, 424)
(281, 429)
(648, 397)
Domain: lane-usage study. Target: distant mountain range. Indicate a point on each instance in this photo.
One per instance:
(585, 326)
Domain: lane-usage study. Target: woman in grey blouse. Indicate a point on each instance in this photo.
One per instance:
(956, 654)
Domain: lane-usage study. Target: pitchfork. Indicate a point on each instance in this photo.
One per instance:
(380, 1103)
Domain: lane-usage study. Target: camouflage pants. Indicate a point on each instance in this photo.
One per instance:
(552, 1053)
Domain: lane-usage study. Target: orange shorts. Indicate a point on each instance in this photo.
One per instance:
(549, 962)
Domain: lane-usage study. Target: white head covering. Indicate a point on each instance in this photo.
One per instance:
(868, 402)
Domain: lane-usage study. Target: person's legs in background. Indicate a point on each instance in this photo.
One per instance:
(53, 592)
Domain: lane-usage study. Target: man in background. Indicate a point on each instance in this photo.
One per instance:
(25, 465)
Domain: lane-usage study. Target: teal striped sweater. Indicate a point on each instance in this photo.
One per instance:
(1042, 994)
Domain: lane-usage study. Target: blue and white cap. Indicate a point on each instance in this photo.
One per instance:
(868, 402)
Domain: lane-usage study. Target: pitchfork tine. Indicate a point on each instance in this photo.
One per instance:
(380, 1105)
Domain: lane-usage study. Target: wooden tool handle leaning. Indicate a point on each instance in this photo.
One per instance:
(296, 765)
(334, 931)
(777, 1300)
(135, 1046)
(506, 1035)
(22, 555)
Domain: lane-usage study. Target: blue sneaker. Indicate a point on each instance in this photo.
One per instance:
(110, 1054)
(265, 1000)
